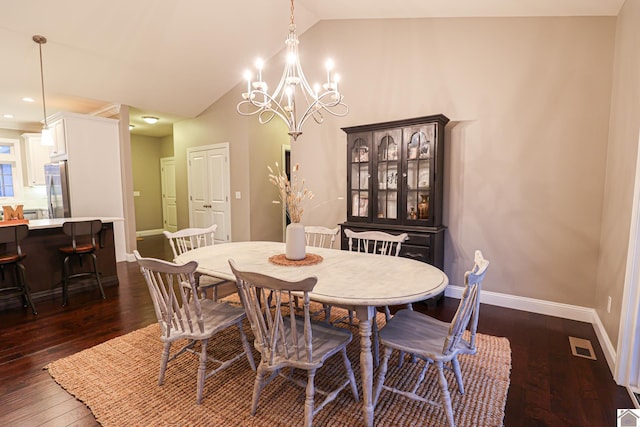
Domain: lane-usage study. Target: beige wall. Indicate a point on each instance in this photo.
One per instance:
(529, 101)
(145, 156)
(252, 147)
(219, 123)
(621, 169)
(529, 98)
(166, 146)
(14, 134)
(266, 143)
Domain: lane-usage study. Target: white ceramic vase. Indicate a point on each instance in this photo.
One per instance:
(295, 242)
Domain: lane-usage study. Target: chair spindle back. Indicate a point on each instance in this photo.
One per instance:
(276, 330)
(376, 242)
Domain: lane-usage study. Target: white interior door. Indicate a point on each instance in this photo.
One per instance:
(168, 179)
(198, 190)
(217, 160)
(209, 189)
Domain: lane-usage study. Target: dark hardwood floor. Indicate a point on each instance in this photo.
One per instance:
(549, 386)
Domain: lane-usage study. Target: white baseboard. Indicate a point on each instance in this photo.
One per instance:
(607, 347)
(634, 398)
(143, 233)
(548, 308)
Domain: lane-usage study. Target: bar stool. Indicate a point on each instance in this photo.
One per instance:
(12, 255)
(83, 242)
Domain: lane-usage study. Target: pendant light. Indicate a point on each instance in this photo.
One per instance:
(46, 139)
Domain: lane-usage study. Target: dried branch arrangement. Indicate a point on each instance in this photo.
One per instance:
(291, 192)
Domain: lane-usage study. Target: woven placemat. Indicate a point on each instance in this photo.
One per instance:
(281, 259)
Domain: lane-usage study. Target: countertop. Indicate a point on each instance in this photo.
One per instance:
(36, 224)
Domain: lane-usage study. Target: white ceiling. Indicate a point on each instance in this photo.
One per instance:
(174, 58)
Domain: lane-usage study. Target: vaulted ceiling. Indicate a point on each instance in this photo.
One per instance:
(174, 58)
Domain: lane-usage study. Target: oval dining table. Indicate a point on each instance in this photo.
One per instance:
(352, 280)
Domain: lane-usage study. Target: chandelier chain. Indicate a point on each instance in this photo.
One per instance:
(291, 17)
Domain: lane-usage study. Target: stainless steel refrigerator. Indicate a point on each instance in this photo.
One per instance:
(57, 180)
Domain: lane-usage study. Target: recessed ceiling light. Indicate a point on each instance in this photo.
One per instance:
(131, 127)
(150, 119)
(27, 99)
(8, 116)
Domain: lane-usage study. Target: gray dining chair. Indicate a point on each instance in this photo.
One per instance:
(381, 243)
(184, 316)
(321, 237)
(285, 340)
(187, 239)
(433, 341)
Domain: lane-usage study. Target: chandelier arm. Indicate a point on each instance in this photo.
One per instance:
(279, 92)
(310, 113)
(262, 109)
(331, 102)
(305, 86)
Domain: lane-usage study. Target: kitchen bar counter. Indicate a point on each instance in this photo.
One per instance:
(37, 224)
(43, 262)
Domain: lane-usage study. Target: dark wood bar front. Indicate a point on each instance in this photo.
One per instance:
(43, 264)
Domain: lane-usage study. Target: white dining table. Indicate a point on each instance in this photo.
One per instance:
(353, 280)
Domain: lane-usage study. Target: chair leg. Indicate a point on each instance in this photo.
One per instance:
(375, 344)
(26, 293)
(95, 270)
(327, 313)
(350, 376)
(257, 387)
(444, 394)
(308, 403)
(202, 370)
(246, 346)
(413, 356)
(164, 359)
(65, 280)
(382, 373)
(458, 374)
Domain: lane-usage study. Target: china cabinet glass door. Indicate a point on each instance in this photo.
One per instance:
(388, 173)
(419, 146)
(360, 175)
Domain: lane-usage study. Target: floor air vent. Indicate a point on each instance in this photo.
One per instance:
(581, 348)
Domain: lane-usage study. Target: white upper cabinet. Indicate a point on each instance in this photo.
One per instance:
(58, 127)
(36, 155)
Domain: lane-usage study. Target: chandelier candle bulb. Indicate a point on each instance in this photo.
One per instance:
(247, 76)
(329, 66)
(259, 65)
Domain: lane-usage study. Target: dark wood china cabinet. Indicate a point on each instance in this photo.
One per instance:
(395, 173)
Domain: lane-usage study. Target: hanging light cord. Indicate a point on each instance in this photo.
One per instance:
(41, 40)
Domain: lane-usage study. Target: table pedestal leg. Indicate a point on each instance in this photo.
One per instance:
(365, 316)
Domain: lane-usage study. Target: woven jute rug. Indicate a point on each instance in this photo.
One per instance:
(118, 381)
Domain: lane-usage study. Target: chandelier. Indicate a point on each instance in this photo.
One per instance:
(46, 138)
(294, 99)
